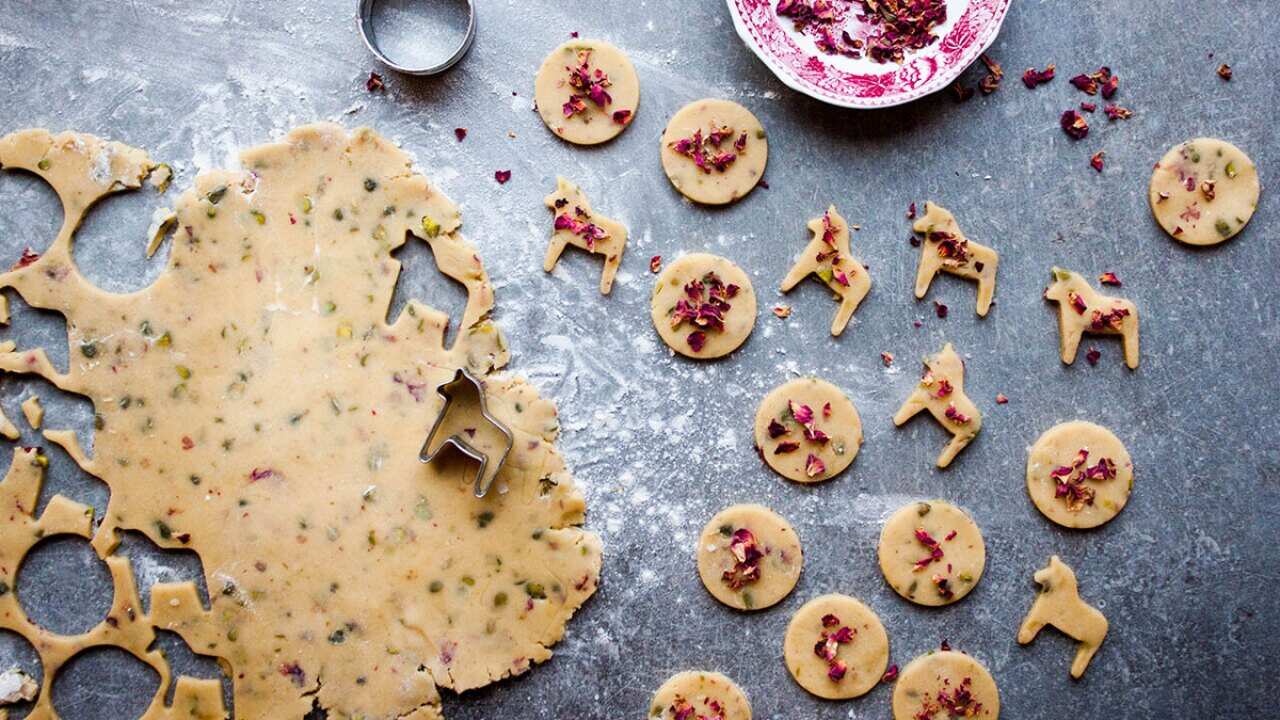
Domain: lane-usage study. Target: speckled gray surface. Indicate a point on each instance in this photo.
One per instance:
(1186, 574)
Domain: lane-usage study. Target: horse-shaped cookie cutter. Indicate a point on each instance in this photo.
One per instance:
(464, 381)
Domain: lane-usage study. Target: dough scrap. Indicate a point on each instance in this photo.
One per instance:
(945, 684)
(575, 224)
(703, 306)
(945, 248)
(714, 151)
(33, 411)
(586, 91)
(1204, 191)
(826, 660)
(749, 557)
(1058, 604)
(1079, 474)
(827, 258)
(255, 406)
(931, 553)
(1083, 309)
(691, 695)
(807, 430)
(17, 686)
(941, 392)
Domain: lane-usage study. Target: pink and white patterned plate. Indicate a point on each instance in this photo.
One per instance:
(970, 29)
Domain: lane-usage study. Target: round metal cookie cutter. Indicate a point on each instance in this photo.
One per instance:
(364, 21)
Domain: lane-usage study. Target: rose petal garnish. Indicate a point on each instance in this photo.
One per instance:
(814, 466)
(622, 117)
(1115, 112)
(782, 311)
(374, 83)
(1096, 161)
(1088, 106)
(940, 309)
(836, 670)
(1093, 355)
(697, 340)
(460, 133)
(1109, 278)
(747, 554)
(1077, 303)
(1074, 124)
(890, 675)
(826, 410)
(777, 429)
(786, 446)
(802, 413)
(1032, 77)
(887, 359)
(955, 415)
(1001, 399)
(502, 176)
(1224, 72)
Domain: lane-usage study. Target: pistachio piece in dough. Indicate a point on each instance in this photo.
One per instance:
(749, 557)
(945, 684)
(1079, 474)
(1204, 191)
(714, 151)
(694, 694)
(836, 647)
(586, 91)
(941, 392)
(703, 306)
(574, 224)
(931, 553)
(827, 258)
(1082, 309)
(1058, 604)
(946, 249)
(807, 430)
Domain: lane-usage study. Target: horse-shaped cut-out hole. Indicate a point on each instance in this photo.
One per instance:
(465, 424)
(941, 392)
(827, 258)
(1059, 605)
(946, 249)
(1083, 309)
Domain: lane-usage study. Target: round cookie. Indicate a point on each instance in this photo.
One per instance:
(714, 151)
(1204, 191)
(945, 684)
(708, 694)
(1079, 474)
(586, 91)
(931, 553)
(836, 647)
(807, 430)
(703, 306)
(749, 557)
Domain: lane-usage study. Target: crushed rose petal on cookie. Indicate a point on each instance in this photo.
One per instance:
(814, 467)
(933, 546)
(828, 645)
(959, 701)
(622, 117)
(579, 223)
(1070, 479)
(747, 554)
(587, 84)
(955, 415)
(704, 306)
(707, 152)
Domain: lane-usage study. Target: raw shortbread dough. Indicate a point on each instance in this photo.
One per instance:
(807, 430)
(703, 306)
(931, 553)
(836, 647)
(714, 151)
(749, 557)
(33, 411)
(574, 223)
(946, 249)
(941, 392)
(827, 258)
(1204, 191)
(1083, 309)
(1079, 474)
(945, 684)
(255, 406)
(586, 91)
(1058, 604)
(693, 695)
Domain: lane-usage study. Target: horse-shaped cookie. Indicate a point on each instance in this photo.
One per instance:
(1059, 605)
(941, 392)
(575, 225)
(1082, 309)
(946, 249)
(827, 258)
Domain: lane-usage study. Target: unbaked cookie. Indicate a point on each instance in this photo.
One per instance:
(946, 249)
(836, 647)
(703, 306)
(1058, 604)
(749, 557)
(945, 684)
(931, 553)
(1204, 191)
(574, 224)
(1082, 309)
(714, 151)
(827, 258)
(941, 392)
(586, 91)
(1079, 474)
(694, 694)
(807, 430)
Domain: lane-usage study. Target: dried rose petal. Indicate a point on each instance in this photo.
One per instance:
(1085, 84)
(777, 429)
(697, 340)
(622, 117)
(830, 620)
(1001, 399)
(813, 466)
(887, 359)
(1088, 106)
(891, 674)
(836, 670)
(1109, 278)
(1095, 162)
(786, 446)
(460, 133)
(1109, 86)
(940, 309)
(955, 415)
(1224, 71)
(28, 257)
(1032, 77)
(655, 263)
(374, 83)
(1115, 112)
(1093, 356)
(782, 311)
(802, 413)
(961, 92)
(1074, 124)
(1077, 303)
(502, 176)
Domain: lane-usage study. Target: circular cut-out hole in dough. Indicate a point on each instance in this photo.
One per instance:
(807, 430)
(714, 151)
(587, 91)
(835, 647)
(708, 694)
(931, 553)
(33, 214)
(89, 686)
(945, 684)
(1204, 191)
(749, 557)
(703, 306)
(1079, 474)
(63, 586)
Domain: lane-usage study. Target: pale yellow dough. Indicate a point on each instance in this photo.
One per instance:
(673, 285)
(33, 411)
(595, 123)
(912, 565)
(792, 453)
(1083, 309)
(946, 249)
(1059, 447)
(928, 685)
(708, 694)
(1204, 191)
(827, 259)
(594, 233)
(775, 573)
(863, 659)
(744, 138)
(941, 392)
(1058, 604)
